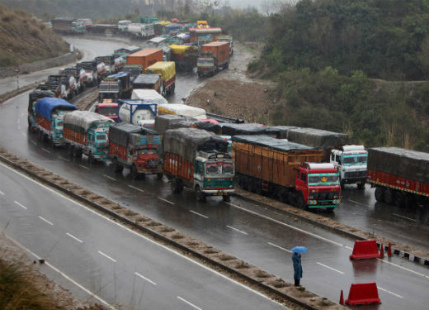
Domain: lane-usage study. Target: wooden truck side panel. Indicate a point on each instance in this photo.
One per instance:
(270, 165)
(179, 167)
(145, 57)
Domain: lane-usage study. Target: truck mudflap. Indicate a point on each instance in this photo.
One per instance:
(314, 204)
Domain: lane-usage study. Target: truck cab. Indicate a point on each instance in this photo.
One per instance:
(351, 163)
(98, 141)
(318, 185)
(107, 108)
(213, 175)
(206, 65)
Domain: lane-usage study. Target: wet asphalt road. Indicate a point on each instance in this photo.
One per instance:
(260, 241)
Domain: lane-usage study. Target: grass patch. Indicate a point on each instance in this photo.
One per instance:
(18, 290)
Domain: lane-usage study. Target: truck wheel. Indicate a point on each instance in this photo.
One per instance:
(226, 198)
(176, 186)
(116, 166)
(134, 173)
(91, 158)
(379, 194)
(173, 87)
(388, 196)
(361, 185)
(300, 203)
(199, 194)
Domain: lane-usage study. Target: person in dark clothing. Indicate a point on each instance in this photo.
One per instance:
(297, 267)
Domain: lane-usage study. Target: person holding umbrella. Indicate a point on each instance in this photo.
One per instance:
(297, 266)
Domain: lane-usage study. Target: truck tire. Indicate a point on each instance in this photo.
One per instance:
(116, 166)
(199, 194)
(134, 174)
(226, 198)
(300, 203)
(379, 194)
(176, 186)
(361, 185)
(388, 196)
(91, 158)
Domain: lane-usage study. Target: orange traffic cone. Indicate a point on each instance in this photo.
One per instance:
(389, 250)
(342, 298)
(381, 251)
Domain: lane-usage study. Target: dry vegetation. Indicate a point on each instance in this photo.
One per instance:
(24, 39)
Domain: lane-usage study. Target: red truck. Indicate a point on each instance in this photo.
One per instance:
(145, 57)
(107, 108)
(292, 172)
(136, 148)
(213, 56)
(400, 176)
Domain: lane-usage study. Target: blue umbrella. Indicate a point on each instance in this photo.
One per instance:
(299, 249)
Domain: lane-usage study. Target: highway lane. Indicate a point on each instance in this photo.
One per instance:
(113, 262)
(221, 229)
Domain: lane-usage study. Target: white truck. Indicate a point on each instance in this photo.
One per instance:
(351, 163)
(181, 109)
(141, 31)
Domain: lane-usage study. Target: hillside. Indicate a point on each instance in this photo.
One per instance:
(24, 39)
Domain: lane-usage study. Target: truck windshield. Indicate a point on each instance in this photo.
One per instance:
(355, 159)
(323, 179)
(215, 168)
(101, 137)
(227, 168)
(108, 110)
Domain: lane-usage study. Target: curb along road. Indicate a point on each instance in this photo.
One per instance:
(270, 285)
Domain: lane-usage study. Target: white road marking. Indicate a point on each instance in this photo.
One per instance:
(34, 142)
(358, 203)
(292, 227)
(199, 214)
(109, 177)
(380, 288)
(24, 134)
(136, 188)
(279, 247)
(165, 200)
(144, 278)
(237, 230)
(46, 150)
(1, 193)
(46, 221)
(85, 167)
(22, 206)
(336, 270)
(63, 158)
(404, 217)
(92, 294)
(73, 237)
(189, 303)
(107, 256)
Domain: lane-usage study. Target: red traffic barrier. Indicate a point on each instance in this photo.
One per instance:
(363, 294)
(342, 298)
(364, 249)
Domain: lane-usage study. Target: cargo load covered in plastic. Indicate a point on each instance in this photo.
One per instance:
(409, 164)
(148, 96)
(146, 80)
(215, 128)
(317, 138)
(172, 121)
(167, 69)
(85, 119)
(45, 106)
(270, 142)
(121, 133)
(181, 109)
(186, 142)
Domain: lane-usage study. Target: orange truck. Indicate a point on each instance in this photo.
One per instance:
(145, 57)
(213, 56)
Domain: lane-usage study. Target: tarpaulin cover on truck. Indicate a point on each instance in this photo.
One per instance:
(45, 106)
(186, 142)
(215, 128)
(146, 80)
(85, 119)
(120, 133)
(167, 69)
(181, 49)
(181, 109)
(400, 162)
(172, 121)
(242, 129)
(317, 138)
(270, 142)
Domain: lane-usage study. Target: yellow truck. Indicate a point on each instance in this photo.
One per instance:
(167, 71)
